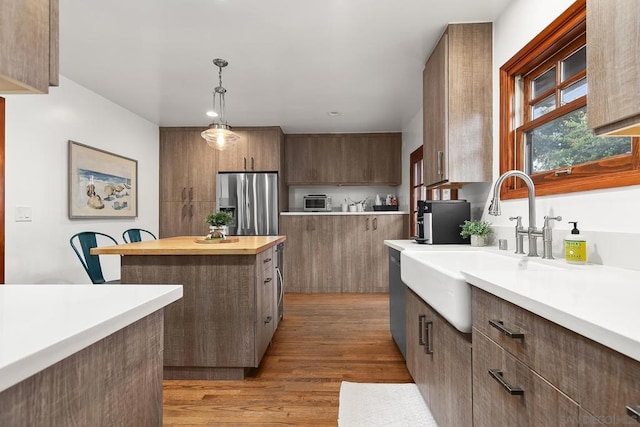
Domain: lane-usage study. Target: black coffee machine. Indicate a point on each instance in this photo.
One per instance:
(439, 221)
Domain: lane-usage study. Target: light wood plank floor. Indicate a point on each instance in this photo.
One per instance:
(323, 340)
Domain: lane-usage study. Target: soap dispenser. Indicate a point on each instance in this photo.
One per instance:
(575, 246)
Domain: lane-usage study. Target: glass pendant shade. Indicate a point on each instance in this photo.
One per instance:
(220, 136)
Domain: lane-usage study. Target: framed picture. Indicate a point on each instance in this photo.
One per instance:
(101, 184)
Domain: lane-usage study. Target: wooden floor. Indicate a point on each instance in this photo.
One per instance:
(322, 340)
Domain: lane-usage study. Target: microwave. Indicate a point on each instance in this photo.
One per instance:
(317, 203)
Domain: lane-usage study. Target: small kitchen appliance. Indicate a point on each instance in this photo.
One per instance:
(439, 221)
(317, 203)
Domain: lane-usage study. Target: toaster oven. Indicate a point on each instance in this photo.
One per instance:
(317, 203)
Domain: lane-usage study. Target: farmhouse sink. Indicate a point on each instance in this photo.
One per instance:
(436, 277)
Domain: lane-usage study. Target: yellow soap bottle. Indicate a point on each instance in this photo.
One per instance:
(575, 246)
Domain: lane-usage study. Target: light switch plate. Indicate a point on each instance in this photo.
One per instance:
(23, 214)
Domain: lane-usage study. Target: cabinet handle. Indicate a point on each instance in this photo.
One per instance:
(184, 211)
(190, 193)
(252, 164)
(428, 347)
(367, 224)
(497, 375)
(375, 223)
(267, 280)
(421, 320)
(269, 319)
(184, 193)
(244, 167)
(191, 211)
(499, 325)
(634, 412)
(267, 260)
(440, 162)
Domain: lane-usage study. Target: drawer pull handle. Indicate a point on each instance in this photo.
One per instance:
(421, 320)
(268, 279)
(428, 348)
(267, 260)
(269, 319)
(499, 325)
(497, 375)
(634, 412)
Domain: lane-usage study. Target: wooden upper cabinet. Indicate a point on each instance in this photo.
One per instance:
(613, 66)
(259, 149)
(347, 159)
(28, 45)
(187, 166)
(457, 95)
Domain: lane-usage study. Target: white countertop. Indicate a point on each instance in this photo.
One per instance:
(43, 324)
(347, 213)
(596, 301)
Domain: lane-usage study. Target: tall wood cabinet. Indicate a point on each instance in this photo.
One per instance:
(439, 360)
(28, 46)
(457, 96)
(339, 253)
(188, 170)
(613, 66)
(344, 159)
(187, 182)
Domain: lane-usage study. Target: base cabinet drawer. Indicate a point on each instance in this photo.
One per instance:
(507, 393)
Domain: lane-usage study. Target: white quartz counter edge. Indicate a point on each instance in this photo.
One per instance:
(348, 213)
(41, 325)
(595, 301)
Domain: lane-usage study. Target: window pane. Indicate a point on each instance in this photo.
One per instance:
(544, 106)
(574, 91)
(574, 64)
(544, 82)
(566, 141)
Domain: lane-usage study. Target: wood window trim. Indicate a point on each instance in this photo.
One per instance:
(414, 158)
(617, 171)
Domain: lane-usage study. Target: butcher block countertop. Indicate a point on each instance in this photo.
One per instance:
(187, 245)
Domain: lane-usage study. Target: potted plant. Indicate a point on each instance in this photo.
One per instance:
(479, 231)
(218, 222)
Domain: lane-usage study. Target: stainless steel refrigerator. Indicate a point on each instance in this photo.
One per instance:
(252, 199)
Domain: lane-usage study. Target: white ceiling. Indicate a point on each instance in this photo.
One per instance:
(290, 61)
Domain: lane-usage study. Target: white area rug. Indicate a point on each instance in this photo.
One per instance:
(367, 405)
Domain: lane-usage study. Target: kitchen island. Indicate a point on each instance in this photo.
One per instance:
(224, 323)
(82, 354)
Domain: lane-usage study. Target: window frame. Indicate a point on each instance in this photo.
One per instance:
(617, 171)
(415, 157)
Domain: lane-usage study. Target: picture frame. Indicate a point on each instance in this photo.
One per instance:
(101, 184)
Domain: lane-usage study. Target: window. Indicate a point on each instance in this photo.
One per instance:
(543, 111)
(418, 191)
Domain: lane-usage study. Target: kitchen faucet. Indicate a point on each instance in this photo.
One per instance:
(531, 232)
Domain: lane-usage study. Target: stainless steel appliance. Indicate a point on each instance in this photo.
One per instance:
(280, 278)
(317, 203)
(439, 221)
(252, 199)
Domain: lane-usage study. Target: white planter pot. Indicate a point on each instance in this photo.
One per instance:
(478, 240)
(218, 231)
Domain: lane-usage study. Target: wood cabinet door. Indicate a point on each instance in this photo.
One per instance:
(234, 159)
(300, 250)
(540, 404)
(385, 151)
(187, 166)
(384, 227)
(435, 111)
(264, 149)
(357, 263)
(613, 64)
(184, 219)
(418, 363)
(299, 159)
(24, 51)
(356, 162)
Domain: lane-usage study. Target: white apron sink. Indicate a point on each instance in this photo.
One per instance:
(436, 277)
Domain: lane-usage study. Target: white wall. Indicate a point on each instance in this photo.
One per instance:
(38, 128)
(606, 217)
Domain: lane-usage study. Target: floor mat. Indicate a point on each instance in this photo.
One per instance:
(364, 404)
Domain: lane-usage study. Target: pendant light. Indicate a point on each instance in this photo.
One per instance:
(219, 134)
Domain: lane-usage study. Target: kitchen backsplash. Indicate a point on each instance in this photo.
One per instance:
(338, 195)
